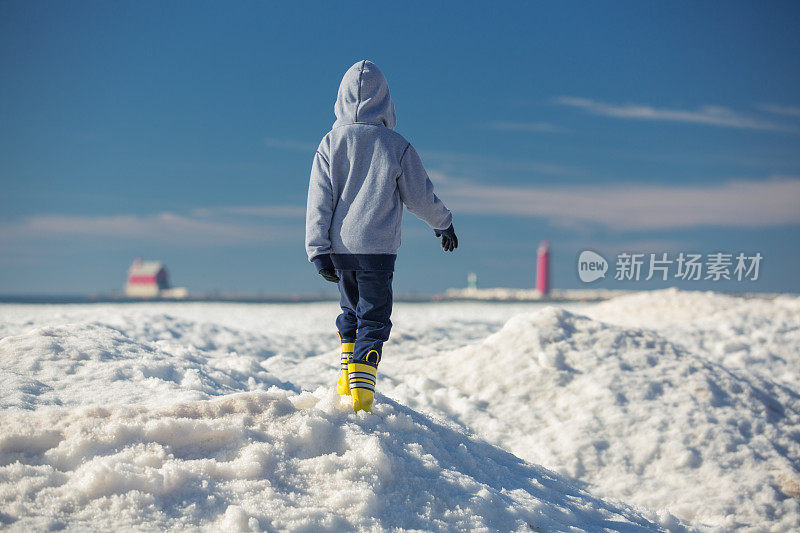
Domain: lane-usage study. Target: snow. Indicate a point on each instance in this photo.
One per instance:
(510, 295)
(276, 460)
(633, 413)
(650, 411)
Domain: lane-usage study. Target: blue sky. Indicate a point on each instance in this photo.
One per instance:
(184, 131)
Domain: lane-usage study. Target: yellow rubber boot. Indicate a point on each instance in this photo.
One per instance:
(343, 385)
(362, 385)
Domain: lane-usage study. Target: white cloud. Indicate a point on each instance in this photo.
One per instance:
(709, 115)
(262, 211)
(739, 203)
(164, 228)
(627, 245)
(523, 126)
(786, 110)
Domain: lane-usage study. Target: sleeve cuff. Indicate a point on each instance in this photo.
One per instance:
(323, 262)
(447, 231)
(448, 223)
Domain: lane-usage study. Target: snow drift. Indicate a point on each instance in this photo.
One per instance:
(638, 416)
(276, 460)
(94, 363)
(191, 415)
(756, 335)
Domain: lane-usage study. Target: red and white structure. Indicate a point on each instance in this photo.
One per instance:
(149, 279)
(543, 268)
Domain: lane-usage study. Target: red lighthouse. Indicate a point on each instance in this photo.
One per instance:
(543, 268)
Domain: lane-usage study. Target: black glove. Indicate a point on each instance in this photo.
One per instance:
(329, 275)
(325, 267)
(449, 239)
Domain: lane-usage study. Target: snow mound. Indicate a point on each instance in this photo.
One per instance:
(96, 364)
(276, 460)
(758, 335)
(687, 401)
(762, 337)
(658, 308)
(637, 416)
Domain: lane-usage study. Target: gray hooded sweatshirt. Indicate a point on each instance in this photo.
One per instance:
(363, 174)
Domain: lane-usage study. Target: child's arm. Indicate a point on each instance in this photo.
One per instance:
(416, 192)
(319, 212)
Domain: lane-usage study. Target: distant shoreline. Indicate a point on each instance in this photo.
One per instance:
(104, 299)
(275, 299)
(497, 295)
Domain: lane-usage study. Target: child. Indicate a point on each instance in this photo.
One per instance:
(363, 174)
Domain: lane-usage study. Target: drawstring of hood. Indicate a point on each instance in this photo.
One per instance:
(364, 97)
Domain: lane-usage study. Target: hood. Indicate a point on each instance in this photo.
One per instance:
(364, 97)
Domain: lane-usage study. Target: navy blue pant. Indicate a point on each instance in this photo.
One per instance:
(366, 300)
